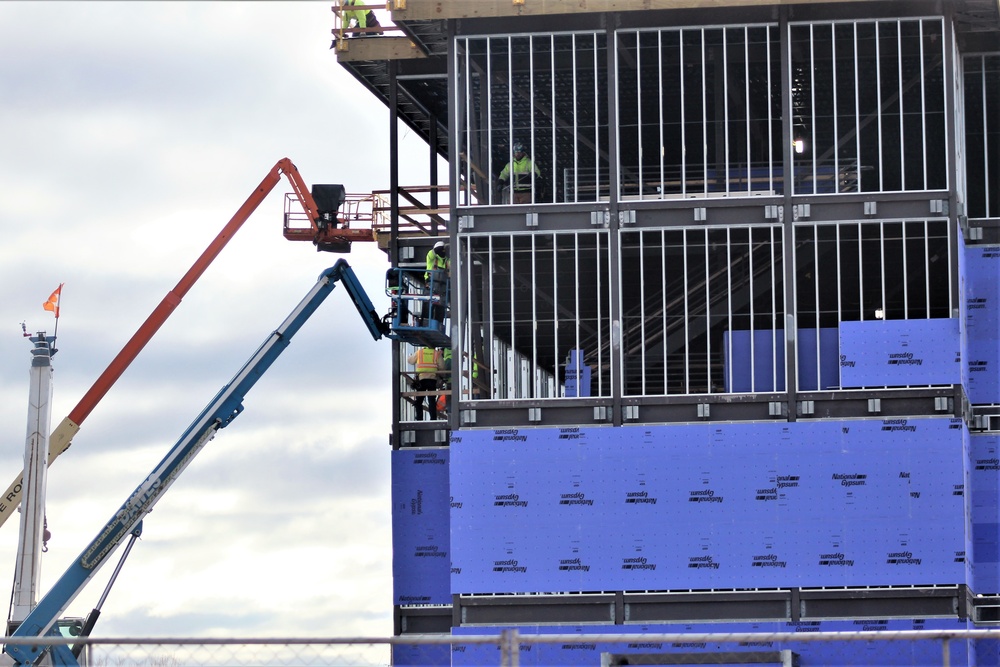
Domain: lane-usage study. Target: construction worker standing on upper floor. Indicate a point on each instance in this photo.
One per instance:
(523, 175)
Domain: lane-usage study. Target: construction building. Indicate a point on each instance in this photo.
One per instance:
(727, 351)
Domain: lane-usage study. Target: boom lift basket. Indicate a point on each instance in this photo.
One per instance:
(419, 312)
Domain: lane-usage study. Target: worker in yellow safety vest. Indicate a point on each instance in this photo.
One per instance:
(438, 260)
(436, 278)
(363, 18)
(476, 393)
(427, 362)
(523, 175)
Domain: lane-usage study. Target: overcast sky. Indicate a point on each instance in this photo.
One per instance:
(130, 133)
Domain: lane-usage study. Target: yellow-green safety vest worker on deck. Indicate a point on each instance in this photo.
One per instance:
(522, 173)
(359, 15)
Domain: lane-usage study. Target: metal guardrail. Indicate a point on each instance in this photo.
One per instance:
(423, 210)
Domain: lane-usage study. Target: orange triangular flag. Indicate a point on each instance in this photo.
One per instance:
(53, 302)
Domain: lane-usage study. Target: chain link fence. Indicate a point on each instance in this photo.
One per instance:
(510, 648)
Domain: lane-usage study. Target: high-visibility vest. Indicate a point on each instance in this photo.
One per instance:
(521, 171)
(436, 262)
(426, 363)
(359, 15)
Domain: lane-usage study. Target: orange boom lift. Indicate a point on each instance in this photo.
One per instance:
(326, 232)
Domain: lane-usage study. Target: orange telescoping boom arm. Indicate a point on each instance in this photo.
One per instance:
(62, 436)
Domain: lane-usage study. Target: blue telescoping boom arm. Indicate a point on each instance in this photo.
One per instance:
(225, 407)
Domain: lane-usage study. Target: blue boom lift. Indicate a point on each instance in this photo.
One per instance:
(226, 406)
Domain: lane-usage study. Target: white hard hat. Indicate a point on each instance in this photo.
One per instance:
(439, 244)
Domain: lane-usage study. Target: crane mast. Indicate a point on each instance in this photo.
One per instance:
(36, 448)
